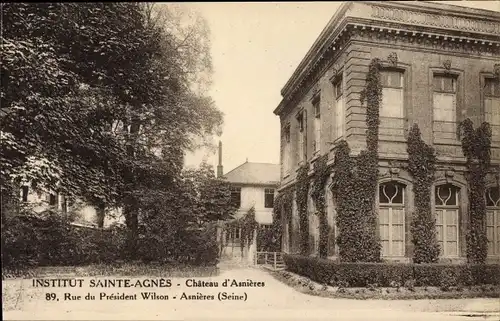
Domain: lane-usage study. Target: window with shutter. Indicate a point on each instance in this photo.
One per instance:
(301, 137)
(392, 94)
(339, 108)
(445, 107)
(492, 106)
(286, 150)
(317, 125)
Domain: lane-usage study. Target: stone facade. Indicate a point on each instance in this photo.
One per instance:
(420, 45)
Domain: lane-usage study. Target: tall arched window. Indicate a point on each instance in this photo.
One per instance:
(392, 219)
(446, 198)
(493, 220)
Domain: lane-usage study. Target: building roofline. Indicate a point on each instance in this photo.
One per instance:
(315, 46)
(322, 39)
(247, 162)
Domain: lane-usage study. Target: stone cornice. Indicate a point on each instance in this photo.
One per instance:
(328, 30)
(399, 18)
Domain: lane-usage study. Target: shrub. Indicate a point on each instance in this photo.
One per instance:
(365, 274)
(49, 240)
(448, 279)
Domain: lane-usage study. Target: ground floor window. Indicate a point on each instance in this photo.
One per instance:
(233, 235)
(493, 221)
(446, 198)
(392, 219)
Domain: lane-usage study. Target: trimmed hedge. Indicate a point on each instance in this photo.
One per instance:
(364, 274)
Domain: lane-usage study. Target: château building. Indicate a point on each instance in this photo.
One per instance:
(440, 66)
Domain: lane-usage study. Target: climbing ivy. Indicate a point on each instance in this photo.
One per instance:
(302, 194)
(372, 94)
(476, 146)
(321, 174)
(422, 166)
(355, 182)
(282, 210)
(247, 225)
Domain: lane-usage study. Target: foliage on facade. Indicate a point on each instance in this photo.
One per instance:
(282, 211)
(302, 196)
(318, 194)
(422, 166)
(355, 182)
(476, 146)
(247, 225)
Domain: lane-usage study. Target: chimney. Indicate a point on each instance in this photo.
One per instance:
(219, 167)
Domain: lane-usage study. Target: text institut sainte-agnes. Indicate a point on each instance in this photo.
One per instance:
(142, 283)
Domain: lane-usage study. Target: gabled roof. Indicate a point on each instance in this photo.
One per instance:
(254, 174)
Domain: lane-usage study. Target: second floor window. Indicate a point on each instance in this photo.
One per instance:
(269, 198)
(286, 150)
(392, 105)
(444, 98)
(302, 144)
(339, 108)
(492, 106)
(317, 124)
(236, 196)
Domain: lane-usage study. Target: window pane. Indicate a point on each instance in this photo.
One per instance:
(492, 87)
(398, 216)
(444, 83)
(444, 107)
(385, 248)
(394, 79)
(391, 193)
(451, 248)
(446, 195)
(384, 215)
(437, 83)
(339, 117)
(449, 84)
(397, 232)
(439, 217)
(390, 78)
(492, 196)
(392, 103)
(268, 200)
(398, 248)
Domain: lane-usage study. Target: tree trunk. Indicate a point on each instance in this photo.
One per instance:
(132, 222)
(130, 208)
(101, 212)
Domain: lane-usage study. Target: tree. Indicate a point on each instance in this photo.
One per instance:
(103, 95)
(171, 220)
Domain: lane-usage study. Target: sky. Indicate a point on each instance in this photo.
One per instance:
(255, 49)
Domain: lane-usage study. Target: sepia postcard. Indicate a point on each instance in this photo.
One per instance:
(250, 160)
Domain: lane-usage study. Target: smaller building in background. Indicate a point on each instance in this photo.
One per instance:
(76, 212)
(253, 185)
